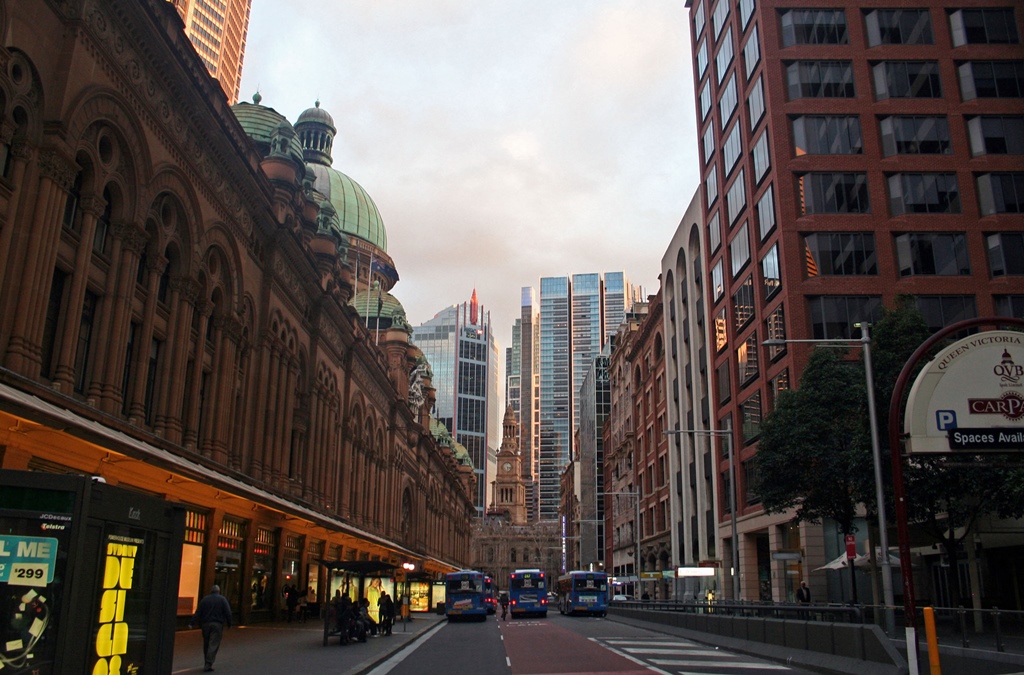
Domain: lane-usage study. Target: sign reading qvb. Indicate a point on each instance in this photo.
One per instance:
(27, 561)
(970, 397)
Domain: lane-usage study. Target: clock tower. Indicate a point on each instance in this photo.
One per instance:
(509, 494)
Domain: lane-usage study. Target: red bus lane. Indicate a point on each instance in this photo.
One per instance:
(536, 647)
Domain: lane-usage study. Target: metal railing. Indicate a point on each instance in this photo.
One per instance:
(992, 629)
(767, 610)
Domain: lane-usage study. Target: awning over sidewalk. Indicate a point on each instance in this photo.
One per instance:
(361, 567)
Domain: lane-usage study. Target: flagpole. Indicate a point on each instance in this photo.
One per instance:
(369, 284)
(380, 302)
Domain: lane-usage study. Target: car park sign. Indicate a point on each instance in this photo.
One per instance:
(970, 397)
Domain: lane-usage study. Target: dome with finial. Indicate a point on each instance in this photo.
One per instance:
(260, 123)
(317, 114)
(357, 212)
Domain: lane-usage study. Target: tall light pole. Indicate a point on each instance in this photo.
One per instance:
(876, 455)
(732, 498)
(636, 529)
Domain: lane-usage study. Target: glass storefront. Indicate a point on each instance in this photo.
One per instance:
(261, 584)
(228, 569)
(189, 591)
(315, 551)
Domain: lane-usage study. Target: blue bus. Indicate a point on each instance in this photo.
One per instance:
(490, 599)
(464, 595)
(528, 592)
(583, 592)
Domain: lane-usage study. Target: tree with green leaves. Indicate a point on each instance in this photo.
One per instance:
(814, 453)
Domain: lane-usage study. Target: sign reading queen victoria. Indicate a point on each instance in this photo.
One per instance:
(970, 397)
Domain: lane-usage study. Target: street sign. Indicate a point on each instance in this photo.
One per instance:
(970, 397)
(851, 546)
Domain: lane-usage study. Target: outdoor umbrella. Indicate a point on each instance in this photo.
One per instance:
(861, 561)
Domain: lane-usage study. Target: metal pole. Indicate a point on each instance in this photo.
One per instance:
(732, 524)
(636, 538)
(876, 454)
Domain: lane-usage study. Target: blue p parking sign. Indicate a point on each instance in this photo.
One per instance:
(945, 419)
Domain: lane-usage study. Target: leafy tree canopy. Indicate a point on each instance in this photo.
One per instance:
(814, 453)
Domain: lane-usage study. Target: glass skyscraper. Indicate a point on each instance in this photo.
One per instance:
(577, 316)
(459, 344)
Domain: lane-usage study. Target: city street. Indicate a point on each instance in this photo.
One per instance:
(560, 644)
(431, 645)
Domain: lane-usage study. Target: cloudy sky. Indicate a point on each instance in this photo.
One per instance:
(502, 140)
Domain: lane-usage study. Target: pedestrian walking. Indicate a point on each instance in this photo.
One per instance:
(291, 600)
(213, 615)
(386, 610)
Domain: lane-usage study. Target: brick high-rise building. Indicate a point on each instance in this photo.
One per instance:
(850, 152)
(218, 29)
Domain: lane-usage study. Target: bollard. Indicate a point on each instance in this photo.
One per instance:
(1000, 647)
(966, 641)
(933, 641)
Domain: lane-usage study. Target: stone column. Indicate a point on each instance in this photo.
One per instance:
(33, 264)
(64, 369)
(137, 387)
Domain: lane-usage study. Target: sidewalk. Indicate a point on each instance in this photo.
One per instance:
(295, 648)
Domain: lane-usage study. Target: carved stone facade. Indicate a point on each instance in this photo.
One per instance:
(175, 318)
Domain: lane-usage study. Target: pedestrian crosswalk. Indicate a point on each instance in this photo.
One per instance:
(683, 657)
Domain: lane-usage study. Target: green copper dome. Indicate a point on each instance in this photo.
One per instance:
(388, 307)
(444, 439)
(357, 213)
(259, 123)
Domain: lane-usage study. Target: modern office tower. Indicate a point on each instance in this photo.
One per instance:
(218, 29)
(459, 344)
(588, 332)
(849, 154)
(529, 398)
(513, 357)
(594, 405)
(688, 385)
(555, 391)
(574, 313)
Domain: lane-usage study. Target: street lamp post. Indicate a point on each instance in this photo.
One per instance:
(732, 499)
(883, 535)
(636, 530)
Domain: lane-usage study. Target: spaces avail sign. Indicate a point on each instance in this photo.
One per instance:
(970, 397)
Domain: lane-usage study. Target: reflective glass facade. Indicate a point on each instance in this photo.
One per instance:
(463, 356)
(577, 317)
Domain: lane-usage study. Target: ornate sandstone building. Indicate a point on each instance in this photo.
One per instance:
(176, 317)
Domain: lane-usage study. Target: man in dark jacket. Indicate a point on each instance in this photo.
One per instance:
(213, 615)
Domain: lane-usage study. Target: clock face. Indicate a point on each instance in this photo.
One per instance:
(507, 466)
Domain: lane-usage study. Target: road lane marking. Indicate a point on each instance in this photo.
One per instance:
(675, 652)
(632, 658)
(390, 664)
(720, 664)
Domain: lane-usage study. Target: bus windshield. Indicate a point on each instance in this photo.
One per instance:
(464, 583)
(531, 581)
(588, 582)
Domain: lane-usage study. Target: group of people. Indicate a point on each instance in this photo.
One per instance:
(295, 601)
(354, 621)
